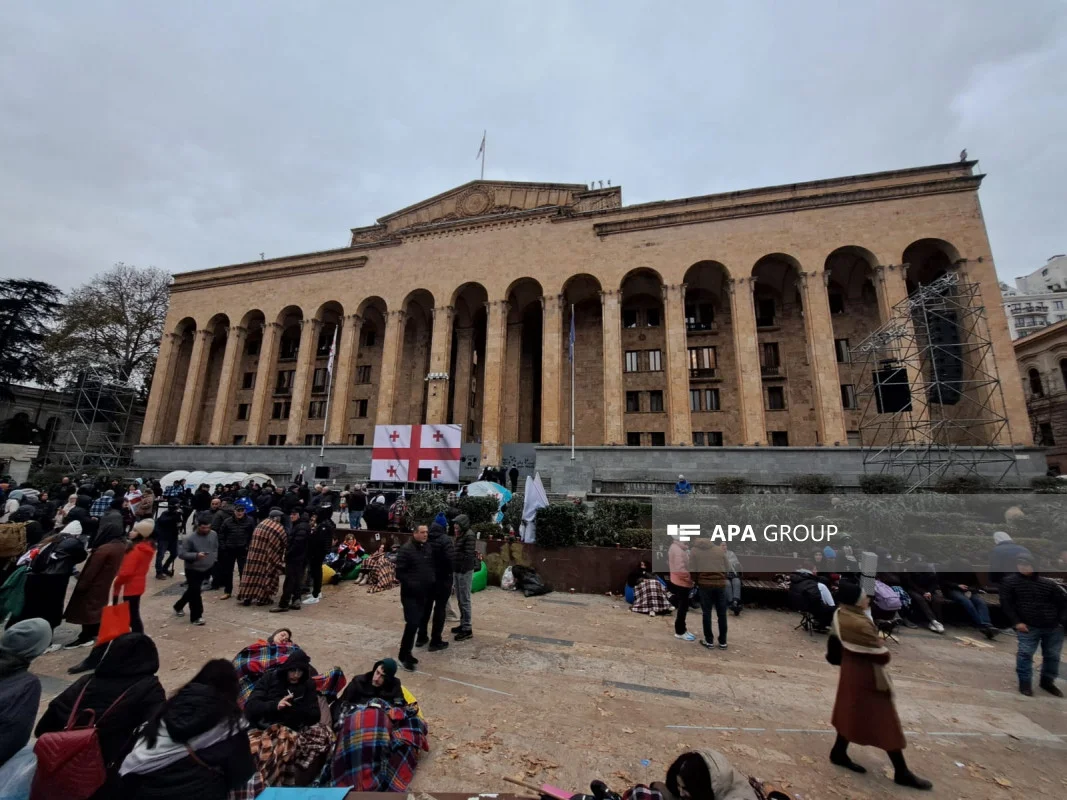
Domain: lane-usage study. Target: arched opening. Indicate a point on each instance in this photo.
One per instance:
(363, 405)
(327, 331)
(172, 402)
(48, 438)
(409, 400)
(1063, 372)
(245, 376)
(467, 359)
(522, 363)
(714, 400)
(581, 299)
(788, 391)
(928, 260)
(283, 377)
(1037, 388)
(855, 315)
(644, 358)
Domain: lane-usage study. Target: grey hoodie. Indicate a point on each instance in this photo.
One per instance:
(195, 543)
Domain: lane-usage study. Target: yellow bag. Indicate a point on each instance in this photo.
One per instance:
(409, 698)
(327, 573)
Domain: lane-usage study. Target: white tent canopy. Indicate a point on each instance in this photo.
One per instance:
(195, 478)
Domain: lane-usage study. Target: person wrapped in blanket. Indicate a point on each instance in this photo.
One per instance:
(260, 657)
(346, 561)
(380, 734)
(701, 775)
(380, 569)
(649, 595)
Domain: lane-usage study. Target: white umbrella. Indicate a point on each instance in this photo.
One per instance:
(533, 499)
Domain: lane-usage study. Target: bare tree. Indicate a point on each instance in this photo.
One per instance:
(113, 323)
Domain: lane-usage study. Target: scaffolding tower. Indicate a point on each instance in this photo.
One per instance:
(100, 423)
(930, 393)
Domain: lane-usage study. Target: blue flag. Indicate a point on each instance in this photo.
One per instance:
(570, 348)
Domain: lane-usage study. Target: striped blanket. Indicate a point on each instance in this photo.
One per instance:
(377, 748)
(256, 659)
(266, 557)
(381, 572)
(651, 598)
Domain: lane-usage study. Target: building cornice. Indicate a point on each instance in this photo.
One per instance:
(289, 267)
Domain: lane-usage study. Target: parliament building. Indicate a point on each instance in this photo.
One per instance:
(724, 320)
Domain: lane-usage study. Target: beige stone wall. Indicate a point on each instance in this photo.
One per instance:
(494, 235)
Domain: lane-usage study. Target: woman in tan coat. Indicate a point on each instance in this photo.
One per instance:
(864, 712)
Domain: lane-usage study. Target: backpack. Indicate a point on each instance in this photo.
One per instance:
(70, 763)
(885, 598)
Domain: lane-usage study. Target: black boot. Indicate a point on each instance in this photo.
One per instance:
(1025, 690)
(1050, 686)
(839, 756)
(905, 777)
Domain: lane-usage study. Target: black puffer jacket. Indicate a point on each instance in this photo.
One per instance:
(262, 706)
(235, 534)
(804, 594)
(414, 568)
(1035, 601)
(443, 554)
(60, 557)
(296, 551)
(466, 551)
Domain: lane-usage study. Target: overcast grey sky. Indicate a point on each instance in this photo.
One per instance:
(186, 136)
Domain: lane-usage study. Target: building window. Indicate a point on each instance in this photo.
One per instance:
(694, 399)
(633, 439)
(652, 318)
(1063, 371)
(714, 438)
(248, 380)
(361, 408)
(655, 401)
(837, 300)
(659, 439)
(631, 361)
(775, 398)
(239, 438)
(369, 338)
(702, 362)
(1058, 305)
(322, 348)
(1045, 437)
(356, 438)
(318, 380)
(252, 346)
(629, 318)
(242, 410)
(1036, 388)
(280, 410)
(317, 409)
(768, 356)
(363, 374)
(313, 439)
(633, 402)
(655, 363)
(284, 384)
(848, 396)
(276, 439)
(778, 438)
(290, 346)
(711, 400)
(698, 438)
(854, 439)
(699, 316)
(765, 312)
(841, 348)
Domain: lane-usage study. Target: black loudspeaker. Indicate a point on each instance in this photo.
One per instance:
(424, 475)
(891, 390)
(322, 473)
(945, 378)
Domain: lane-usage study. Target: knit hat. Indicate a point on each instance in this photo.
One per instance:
(27, 639)
(144, 527)
(849, 593)
(999, 537)
(388, 667)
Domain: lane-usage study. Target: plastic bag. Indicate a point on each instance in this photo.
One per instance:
(508, 579)
(529, 582)
(16, 775)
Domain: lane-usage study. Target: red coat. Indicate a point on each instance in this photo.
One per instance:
(131, 578)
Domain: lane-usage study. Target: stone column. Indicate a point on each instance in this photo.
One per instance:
(892, 287)
(440, 352)
(162, 386)
(223, 412)
(612, 327)
(496, 338)
(891, 283)
(461, 380)
(551, 356)
(826, 383)
(305, 366)
(341, 389)
(681, 426)
(391, 349)
(268, 349)
(194, 388)
(746, 352)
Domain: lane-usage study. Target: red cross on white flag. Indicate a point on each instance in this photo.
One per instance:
(400, 451)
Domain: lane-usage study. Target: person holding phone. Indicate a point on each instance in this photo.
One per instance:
(199, 551)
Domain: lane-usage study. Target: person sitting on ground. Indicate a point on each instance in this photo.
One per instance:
(123, 693)
(683, 487)
(811, 593)
(195, 745)
(380, 570)
(20, 691)
(920, 582)
(959, 584)
(704, 775)
(650, 596)
(346, 561)
(381, 683)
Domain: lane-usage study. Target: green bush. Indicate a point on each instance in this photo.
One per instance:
(812, 484)
(962, 484)
(1047, 484)
(487, 530)
(882, 484)
(617, 514)
(513, 513)
(561, 525)
(47, 477)
(479, 509)
(731, 485)
(424, 506)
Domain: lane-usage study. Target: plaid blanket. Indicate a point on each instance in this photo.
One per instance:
(377, 748)
(651, 598)
(266, 557)
(256, 659)
(381, 571)
(282, 754)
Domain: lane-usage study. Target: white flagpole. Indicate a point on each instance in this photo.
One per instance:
(572, 386)
(329, 394)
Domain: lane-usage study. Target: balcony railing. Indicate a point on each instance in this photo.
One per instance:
(1030, 308)
(766, 322)
(772, 372)
(703, 373)
(692, 326)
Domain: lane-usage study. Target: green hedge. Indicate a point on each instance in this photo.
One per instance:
(881, 484)
(513, 513)
(561, 525)
(731, 485)
(479, 509)
(812, 484)
(962, 484)
(487, 530)
(1047, 484)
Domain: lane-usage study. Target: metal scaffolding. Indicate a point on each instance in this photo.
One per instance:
(100, 423)
(930, 393)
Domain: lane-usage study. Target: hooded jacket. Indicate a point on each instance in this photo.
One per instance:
(296, 549)
(194, 719)
(127, 671)
(1002, 559)
(362, 689)
(262, 706)
(709, 565)
(726, 782)
(466, 558)
(62, 555)
(20, 692)
(112, 527)
(134, 569)
(443, 554)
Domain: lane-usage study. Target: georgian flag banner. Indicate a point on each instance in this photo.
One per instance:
(400, 451)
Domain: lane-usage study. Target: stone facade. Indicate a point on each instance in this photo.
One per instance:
(1043, 368)
(705, 320)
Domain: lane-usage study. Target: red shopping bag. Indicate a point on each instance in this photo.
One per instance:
(114, 622)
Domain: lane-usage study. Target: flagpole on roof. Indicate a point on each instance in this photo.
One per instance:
(572, 380)
(329, 391)
(481, 154)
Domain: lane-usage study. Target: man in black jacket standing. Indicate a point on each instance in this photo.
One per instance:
(440, 544)
(1037, 609)
(415, 571)
(319, 542)
(296, 555)
(234, 535)
(466, 560)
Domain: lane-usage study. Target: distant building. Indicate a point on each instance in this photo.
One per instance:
(1042, 360)
(1050, 278)
(1038, 299)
